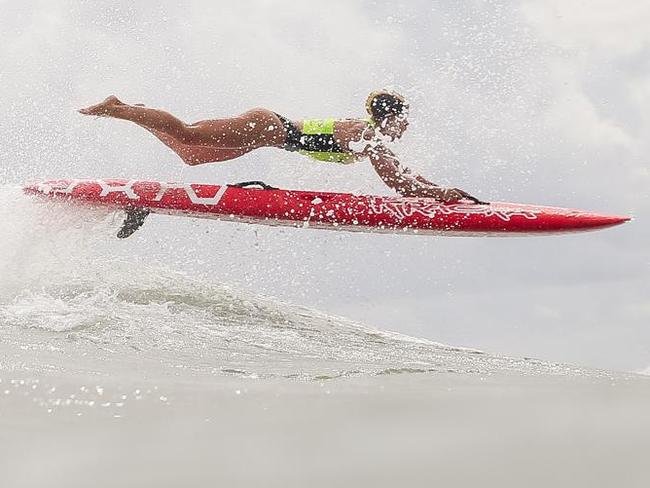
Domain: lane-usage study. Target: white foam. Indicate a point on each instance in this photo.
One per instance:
(65, 273)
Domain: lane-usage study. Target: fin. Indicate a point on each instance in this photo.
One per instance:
(133, 221)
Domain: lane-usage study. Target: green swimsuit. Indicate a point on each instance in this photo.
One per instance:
(316, 140)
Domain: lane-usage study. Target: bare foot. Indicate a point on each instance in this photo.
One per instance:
(102, 109)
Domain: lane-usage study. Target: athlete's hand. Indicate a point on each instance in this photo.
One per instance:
(407, 184)
(453, 195)
(445, 195)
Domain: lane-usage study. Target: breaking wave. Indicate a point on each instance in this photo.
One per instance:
(67, 294)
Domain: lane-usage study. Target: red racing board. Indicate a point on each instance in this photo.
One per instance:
(336, 211)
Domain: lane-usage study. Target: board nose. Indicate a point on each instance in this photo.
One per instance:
(607, 220)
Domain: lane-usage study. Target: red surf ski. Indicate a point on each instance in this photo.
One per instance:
(335, 211)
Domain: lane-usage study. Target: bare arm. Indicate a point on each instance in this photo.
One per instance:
(400, 179)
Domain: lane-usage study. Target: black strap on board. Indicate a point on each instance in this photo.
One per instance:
(246, 184)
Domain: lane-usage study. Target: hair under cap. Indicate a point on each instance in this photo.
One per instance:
(381, 104)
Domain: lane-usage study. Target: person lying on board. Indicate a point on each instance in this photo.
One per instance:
(340, 141)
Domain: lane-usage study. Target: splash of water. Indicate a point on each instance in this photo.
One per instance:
(67, 287)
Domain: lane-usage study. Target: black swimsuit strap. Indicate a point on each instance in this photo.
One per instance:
(298, 141)
(292, 142)
(325, 143)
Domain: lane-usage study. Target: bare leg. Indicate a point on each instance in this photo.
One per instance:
(191, 155)
(253, 129)
(195, 155)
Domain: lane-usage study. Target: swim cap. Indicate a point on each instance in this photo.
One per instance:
(382, 103)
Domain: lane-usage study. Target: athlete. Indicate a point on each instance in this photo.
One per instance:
(340, 141)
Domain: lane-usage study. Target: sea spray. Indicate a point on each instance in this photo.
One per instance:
(47, 243)
(69, 284)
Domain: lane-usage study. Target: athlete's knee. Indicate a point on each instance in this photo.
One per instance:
(190, 161)
(188, 156)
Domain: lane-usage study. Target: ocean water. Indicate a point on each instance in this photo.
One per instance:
(122, 368)
(64, 284)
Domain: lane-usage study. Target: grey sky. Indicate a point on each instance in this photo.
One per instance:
(534, 101)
